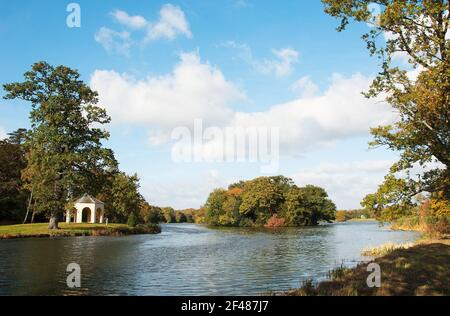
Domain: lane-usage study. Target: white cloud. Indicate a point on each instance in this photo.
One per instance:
(189, 193)
(305, 87)
(197, 90)
(172, 22)
(136, 22)
(112, 41)
(193, 90)
(280, 66)
(346, 183)
(3, 134)
(340, 112)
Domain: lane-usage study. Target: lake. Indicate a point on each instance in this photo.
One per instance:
(188, 259)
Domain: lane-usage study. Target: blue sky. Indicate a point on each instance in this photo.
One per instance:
(159, 65)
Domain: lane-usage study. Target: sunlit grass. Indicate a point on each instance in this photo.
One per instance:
(41, 230)
(384, 249)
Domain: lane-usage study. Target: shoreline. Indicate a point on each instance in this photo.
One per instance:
(40, 230)
(428, 258)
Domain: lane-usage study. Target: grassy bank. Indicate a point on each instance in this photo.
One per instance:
(422, 269)
(72, 230)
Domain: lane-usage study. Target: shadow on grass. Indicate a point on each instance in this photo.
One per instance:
(421, 270)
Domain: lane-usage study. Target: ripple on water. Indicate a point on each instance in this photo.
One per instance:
(187, 260)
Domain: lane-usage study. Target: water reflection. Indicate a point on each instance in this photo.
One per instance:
(187, 260)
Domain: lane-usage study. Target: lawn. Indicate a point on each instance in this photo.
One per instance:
(69, 230)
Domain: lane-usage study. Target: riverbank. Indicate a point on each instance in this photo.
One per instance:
(420, 270)
(74, 230)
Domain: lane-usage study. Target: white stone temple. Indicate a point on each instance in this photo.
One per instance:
(87, 210)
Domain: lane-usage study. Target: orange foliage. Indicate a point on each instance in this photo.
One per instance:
(275, 222)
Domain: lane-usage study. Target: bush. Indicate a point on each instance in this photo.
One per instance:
(148, 229)
(132, 220)
(275, 222)
(437, 226)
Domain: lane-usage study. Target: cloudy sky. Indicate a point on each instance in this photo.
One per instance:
(242, 63)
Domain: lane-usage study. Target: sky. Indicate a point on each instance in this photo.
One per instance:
(159, 66)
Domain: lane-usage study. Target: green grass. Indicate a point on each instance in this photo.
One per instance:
(69, 230)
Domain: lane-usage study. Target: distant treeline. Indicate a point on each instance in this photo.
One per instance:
(347, 215)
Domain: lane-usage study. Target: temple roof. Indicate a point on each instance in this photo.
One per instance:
(87, 199)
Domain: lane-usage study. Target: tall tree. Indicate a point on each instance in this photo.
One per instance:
(262, 197)
(126, 199)
(418, 30)
(308, 206)
(65, 143)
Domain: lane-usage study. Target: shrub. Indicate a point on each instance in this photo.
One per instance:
(148, 229)
(275, 222)
(437, 226)
(132, 220)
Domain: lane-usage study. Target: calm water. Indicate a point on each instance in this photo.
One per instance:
(187, 260)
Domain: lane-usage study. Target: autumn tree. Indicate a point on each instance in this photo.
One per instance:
(64, 147)
(150, 214)
(169, 215)
(269, 201)
(417, 30)
(308, 206)
(262, 198)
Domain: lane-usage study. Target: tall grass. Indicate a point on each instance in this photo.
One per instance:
(385, 249)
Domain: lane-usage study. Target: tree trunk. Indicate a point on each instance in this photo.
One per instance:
(53, 223)
(28, 208)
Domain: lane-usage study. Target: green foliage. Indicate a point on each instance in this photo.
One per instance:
(308, 206)
(151, 214)
(132, 220)
(180, 217)
(125, 196)
(262, 198)
(362, 214)
(64, 147)
(389, 202)
(169, 215)
(268, 201)
(13, 197)
(419, 30)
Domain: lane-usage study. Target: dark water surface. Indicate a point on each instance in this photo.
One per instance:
(187, 260)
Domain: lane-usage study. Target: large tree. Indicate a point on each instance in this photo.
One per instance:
(262, 198)
(125, 196)
(271, 201)
(308, 206)
(64, 148)
(420, 92)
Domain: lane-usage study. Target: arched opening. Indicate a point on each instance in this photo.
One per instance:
(86, 215)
